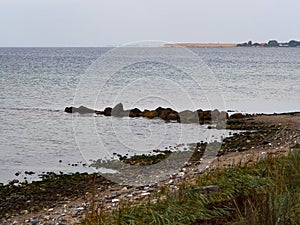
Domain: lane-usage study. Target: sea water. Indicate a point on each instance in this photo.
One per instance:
(38, 83)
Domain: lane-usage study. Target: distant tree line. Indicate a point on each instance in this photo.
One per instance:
(271, 43)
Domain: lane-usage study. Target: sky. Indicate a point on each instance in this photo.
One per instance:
(117, 22)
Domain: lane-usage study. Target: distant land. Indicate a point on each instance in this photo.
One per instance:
(201, 45)
(270, 43)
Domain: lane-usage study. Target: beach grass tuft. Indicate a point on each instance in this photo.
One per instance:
(267, 193)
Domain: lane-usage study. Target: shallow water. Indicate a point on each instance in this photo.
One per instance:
(37, 83)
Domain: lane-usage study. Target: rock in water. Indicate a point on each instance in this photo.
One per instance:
(207, 116)
(200, 116)
(223, 115)
(237, 116)
(167, 114)
(69, 109)
(173, 116)
(135, 112)
(118, 110)
(149, 114)
(81, 109)
(163, 113)
(107, 111)
(215, 114)
(188, 116)
(99, 112)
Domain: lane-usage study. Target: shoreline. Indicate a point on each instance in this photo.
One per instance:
(75, 190)
(201, 45)
(269, 44)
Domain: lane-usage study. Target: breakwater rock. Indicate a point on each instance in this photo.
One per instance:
(187, 116)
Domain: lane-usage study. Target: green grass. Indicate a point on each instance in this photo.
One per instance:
(267, 193)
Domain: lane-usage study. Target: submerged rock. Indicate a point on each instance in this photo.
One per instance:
(81, 109)
(144, 159)
(99, 112)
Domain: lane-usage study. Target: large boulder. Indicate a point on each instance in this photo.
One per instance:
(207, 116)
(188, 116)
(159, 110)
(135, 112)
(173, 116)
(149, 114)
(69, 109)
(162, 112)
(118, 110)
(167, 113)
(223, 115)
(215, 114)
(200, 116)
(107, 111)
(237, 116)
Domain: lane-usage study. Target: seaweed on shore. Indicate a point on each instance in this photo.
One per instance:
(54, 188)
(147, 159)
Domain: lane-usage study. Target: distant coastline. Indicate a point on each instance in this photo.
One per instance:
(270, 43)
(201, 45)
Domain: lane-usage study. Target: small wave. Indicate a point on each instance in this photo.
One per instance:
(29, 109)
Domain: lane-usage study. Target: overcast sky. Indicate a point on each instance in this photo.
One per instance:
(115, 22)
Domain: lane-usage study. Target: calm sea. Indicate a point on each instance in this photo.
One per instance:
(38, 83)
